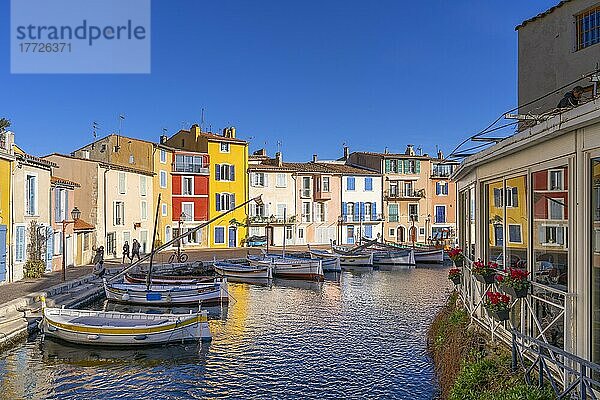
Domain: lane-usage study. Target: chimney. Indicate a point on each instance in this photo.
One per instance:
(195, 130)
(229, 132)
(440, 155)
(278, 159)
(163, 139)
(346, 152)
(410, 151)
(314, 158)
(260, 152)
(386, 151)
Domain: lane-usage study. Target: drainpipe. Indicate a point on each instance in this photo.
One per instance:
(105, 212)
(11, 262)
(295, 208)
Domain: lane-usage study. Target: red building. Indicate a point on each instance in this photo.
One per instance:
(190, 193)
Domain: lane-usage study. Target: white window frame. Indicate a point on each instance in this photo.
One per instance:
(166, 182)
(520, 233)
(144, 210)
(163, 156)
(224, 145)
(185, 179)
(441, 185)
(188, 218)
(35, 193)
(115, 209)
(165, 209)
(392, 232)
(306, 217)
(552, 201)
(562, 179)
(328, 189)
(123, 188)
(258, 179)
(417, 214)
(435, 213)
(143, 186)
(279, 179)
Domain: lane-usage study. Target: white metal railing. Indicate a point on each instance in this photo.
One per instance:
(544, 316)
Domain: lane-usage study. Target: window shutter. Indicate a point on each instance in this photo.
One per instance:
(49, 247)
(373, 211)
(388, 165)
(232, 173)
(406, 165)
(218, 201)
(418, 166)
(266, 180)
(438, 188)
(57, 205)
(497, 198)
(218, 172)
(67, 215)
(344, 210)
(356, 211)
(362, 211)
(515, 197)
(232, 200)
(542, 234)
(369, 231)
(560, 235)
(20, 244)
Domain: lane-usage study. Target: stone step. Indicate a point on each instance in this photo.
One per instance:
(12, 331)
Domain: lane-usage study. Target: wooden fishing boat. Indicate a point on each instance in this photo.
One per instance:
(291, 268)
(331, 262)
(352, 260)
(231, 270)
(434, 256)
(384, 259)
(167, 279)
(123, 329)
(205, 293)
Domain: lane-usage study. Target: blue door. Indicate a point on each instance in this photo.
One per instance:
(232, 236)
(2, 253)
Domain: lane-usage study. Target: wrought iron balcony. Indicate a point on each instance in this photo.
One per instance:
(404, 194)
(273, 220)
(191, 168)
(365, 218)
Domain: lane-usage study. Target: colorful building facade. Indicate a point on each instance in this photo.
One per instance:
(7, 159)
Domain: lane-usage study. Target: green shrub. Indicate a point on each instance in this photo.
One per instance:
(34, 269)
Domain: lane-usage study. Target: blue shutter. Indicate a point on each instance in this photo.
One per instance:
(232, 201)
(20, 244)
(362, 210)
(356, 211)
(49, 248)
(350, 183)
(373, 211)
(3, 252)
(368, 184)
(369, 231)
(57, 205)
(217, 172)
(232, 173)
(344, 210)
(67, 212)
(218, 201)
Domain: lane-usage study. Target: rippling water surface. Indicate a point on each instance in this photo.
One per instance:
(353, 336)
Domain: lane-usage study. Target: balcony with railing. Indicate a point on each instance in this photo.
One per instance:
(406, 194)
(191, 168)
(272, 220)
(322, 195)
(364, 218)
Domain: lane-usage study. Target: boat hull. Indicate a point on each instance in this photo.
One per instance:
(291, 268)
(384, 259)
(429, 256)
(166, 295)
(102, 328)
(166, 279)
(237, 271)
(331, 262)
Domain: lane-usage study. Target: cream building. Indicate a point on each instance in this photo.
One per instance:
(117, 200)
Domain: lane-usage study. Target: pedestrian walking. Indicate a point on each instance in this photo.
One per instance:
(135, 249)
(126, 252)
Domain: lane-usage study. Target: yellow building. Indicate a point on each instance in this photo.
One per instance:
(6, 164)
(228, 180)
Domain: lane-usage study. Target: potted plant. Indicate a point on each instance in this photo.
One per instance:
(455, 275)
(497, 305)
(484, 273)
(456, 256)
(515, 283)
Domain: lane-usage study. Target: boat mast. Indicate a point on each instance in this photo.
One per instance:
(149, 277)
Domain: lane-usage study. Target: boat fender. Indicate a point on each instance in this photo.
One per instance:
(140, 337)
(126, 297)
(93, 337)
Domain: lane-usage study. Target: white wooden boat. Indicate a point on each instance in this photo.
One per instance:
(166, 279)
(429, 256)
(108, 328)
(353, 260)
(205, 293)
(292, 268)
(231, 270)
(331, 262)
(394, 258)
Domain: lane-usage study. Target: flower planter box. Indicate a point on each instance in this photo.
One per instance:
(456, 279)
(458, 263)
(515, 293)
(487, 279)
(499, 316)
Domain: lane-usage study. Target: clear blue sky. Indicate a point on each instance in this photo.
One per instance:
(311, 74)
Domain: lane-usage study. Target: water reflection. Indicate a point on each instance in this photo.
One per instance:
(362, 336)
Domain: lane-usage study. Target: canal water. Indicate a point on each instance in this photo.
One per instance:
(352, 336)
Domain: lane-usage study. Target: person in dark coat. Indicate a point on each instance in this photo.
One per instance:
(126, 251)
(571, 98)
(135, 249)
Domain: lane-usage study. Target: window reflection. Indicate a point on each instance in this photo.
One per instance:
(495, 217)
(550, 226)
(516, 226)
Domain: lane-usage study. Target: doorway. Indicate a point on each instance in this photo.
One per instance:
(232, 236)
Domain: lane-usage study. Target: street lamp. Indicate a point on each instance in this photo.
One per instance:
(340, 221)
(182, 218)
(75, 214)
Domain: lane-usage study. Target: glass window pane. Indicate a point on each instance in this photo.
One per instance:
(495, 218)
(516, 223)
